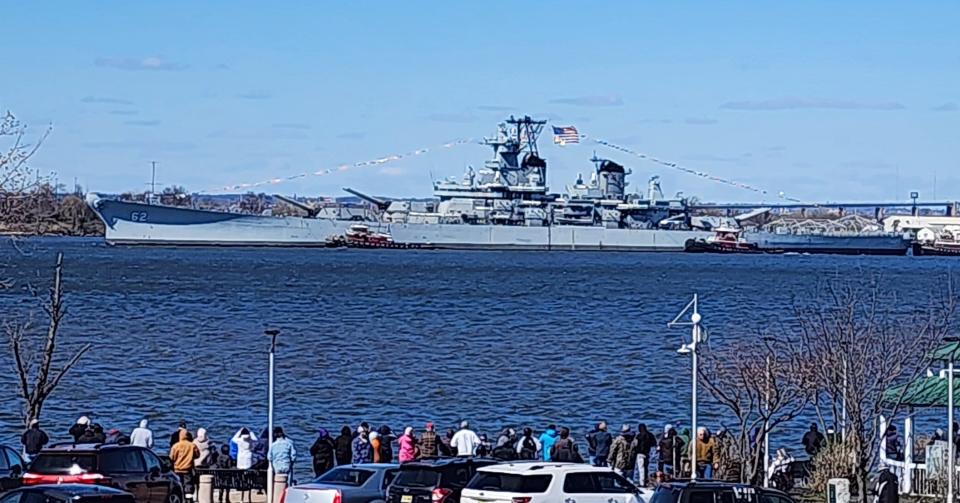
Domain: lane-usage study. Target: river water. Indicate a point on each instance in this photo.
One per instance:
(401, 337)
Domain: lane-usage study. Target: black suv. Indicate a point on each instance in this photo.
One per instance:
(67, 493)
(11, 468)
(716, 492)
(434, 481)
(133, 469)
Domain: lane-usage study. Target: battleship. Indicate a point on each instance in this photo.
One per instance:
(505, 205)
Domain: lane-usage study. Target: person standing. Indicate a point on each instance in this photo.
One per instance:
(547, 439)
(528, 446)
(282, 454)
(620, 457)
(386, 444)
(244, 440)
(429, 443)
(33, 439)
(182, 456)
(565, 450)
(323, 452)
(813, 441)
(203, 447)
(667, 451)
(343, 448)
(888, 486)
(141, 436)
(407, 451)
(643, 443)
(706, 454)
(465, 441)
(602, 441)
(361, 448)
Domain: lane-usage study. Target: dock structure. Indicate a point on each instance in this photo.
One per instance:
(949, 208)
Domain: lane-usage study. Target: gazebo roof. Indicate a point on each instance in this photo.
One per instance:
(928, 391)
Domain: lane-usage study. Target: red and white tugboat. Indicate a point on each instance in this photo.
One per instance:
(360, 236)
(726, 240)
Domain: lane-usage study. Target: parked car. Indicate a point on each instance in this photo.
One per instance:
(11, 468)
(136, 470)
(363, 483)
(716, 492)
(538, 482)
(67, 493)
(434, 481)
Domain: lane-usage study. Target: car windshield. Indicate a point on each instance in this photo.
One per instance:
(417, 477)
(345, 477)
(68, 463)
(510, 482)
(665, 495)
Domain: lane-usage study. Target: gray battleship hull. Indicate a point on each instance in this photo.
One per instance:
(142, 224)
(882, 244)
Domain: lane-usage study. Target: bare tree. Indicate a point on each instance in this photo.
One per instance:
(762, 389)
(15, 151)
(38, 370)
(863, 341)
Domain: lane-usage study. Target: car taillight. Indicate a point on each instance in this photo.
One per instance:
(337, 497)
(439, 495)
(283, 495)
(92, 478)
(32, 478)
(83, 478)
(521, 499)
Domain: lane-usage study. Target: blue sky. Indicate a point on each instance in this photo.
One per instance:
(822, 100)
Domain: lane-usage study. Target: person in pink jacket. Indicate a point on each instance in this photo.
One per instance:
(408, 446)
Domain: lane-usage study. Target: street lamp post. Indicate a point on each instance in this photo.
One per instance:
(696, 337)
(272, 333)
(951, 434)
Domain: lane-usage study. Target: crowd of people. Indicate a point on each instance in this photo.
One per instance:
(632, 452)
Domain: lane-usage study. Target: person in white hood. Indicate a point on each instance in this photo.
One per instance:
(203, 445)
(244, 439)
(142, 436)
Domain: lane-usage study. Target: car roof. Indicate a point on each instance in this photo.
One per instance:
(68, 491)
(536, 467)
(370, 466)
(441, 462)
(71, 447)
(702, 484)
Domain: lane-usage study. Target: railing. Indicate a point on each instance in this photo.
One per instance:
(916, 479)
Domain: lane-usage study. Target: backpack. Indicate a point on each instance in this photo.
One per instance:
(528, 448)
(565, 451)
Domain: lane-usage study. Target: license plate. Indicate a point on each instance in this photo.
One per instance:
(406, 499)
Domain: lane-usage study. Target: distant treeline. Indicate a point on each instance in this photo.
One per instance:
(42, 211)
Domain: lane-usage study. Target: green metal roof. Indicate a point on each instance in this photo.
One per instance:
(950, 351)
(923, 392)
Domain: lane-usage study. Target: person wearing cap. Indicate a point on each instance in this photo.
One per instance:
(620, 457)
(669, 450)
(429, 443)
(282, 454)
(77, 430)
(888, 486)
(465, 441)
(33, 440)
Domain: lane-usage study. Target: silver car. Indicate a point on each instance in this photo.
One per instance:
(364, 483)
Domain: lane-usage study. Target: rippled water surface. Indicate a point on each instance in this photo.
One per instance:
(399, 337)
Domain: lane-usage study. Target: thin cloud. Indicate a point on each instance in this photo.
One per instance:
(149, 63)
(144, 145)
(590, 101)
(809, 103)
(700, 121)
(123, 112)
(292, 125)
(151, 122)
(460, 117)
(946, 107)
(255, 95)
(106, 100)
(392, 171)
(352, 135)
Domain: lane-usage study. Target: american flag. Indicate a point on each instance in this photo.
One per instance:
(566, 134)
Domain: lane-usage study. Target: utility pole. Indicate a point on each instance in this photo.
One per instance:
(153, 178)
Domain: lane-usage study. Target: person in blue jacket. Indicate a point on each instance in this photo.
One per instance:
(547, 439)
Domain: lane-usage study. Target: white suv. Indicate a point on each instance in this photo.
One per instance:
(539, 482)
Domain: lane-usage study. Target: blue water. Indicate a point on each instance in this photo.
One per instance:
(401, 337)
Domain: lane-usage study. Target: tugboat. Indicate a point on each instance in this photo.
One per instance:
(946, 243)
(726, 240)
(360, 236)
